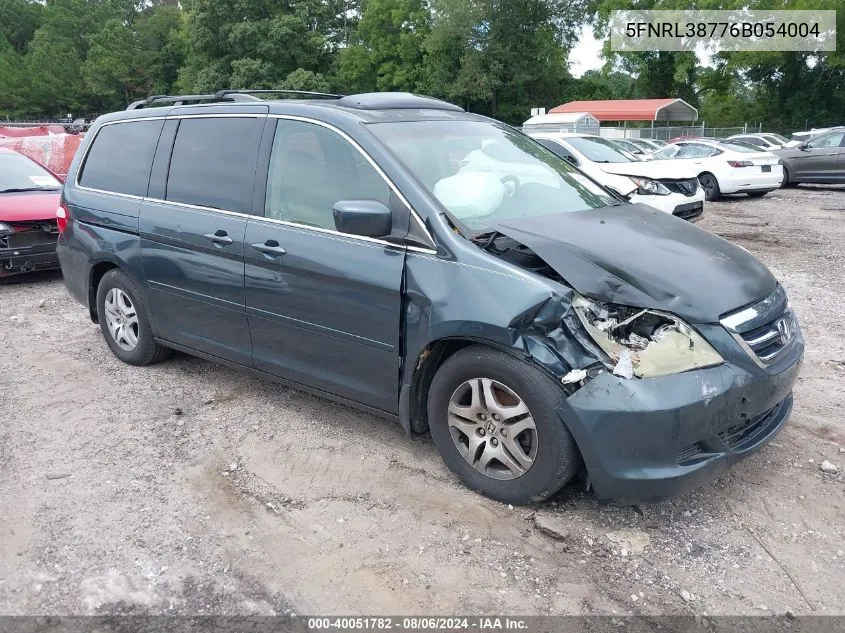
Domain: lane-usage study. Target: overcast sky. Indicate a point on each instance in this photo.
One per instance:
(587, 53)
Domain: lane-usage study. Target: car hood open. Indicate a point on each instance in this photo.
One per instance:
(638, 256)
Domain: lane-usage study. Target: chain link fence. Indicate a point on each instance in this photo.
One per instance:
(666, 133)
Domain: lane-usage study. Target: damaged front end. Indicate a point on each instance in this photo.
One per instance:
(644, 343)
(578, 338)
(28, 246)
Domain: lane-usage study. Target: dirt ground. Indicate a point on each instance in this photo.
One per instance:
(190, 488)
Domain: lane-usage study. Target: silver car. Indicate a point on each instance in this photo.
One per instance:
(820, 160)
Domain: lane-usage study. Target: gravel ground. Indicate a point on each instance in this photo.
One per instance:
(190, 488)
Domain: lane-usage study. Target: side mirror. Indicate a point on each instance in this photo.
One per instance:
(367, 218)
(804, 146)
(571, 160)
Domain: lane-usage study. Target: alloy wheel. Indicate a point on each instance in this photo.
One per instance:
(121, 319)
(492, 428)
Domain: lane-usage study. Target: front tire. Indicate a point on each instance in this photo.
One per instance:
(711, 186)
(493, 420)
(124, 320)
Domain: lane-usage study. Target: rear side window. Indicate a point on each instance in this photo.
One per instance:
(213, 163)
(121, 156)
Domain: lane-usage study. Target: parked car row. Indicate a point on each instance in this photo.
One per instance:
(753, 164)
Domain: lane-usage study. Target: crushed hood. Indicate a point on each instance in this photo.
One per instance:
(655, 169)
(638, 256)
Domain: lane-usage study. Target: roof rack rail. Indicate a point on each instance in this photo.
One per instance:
(179, 99)
(302, 93)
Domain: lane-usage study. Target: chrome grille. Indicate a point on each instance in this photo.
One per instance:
(765, 329)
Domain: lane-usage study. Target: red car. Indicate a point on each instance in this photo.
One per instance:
(29, 198)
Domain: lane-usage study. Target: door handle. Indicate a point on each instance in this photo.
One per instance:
(270, 248)
(219, 237)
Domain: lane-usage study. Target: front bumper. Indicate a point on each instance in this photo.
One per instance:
(647, 440)
(674, 203)
(16, 261)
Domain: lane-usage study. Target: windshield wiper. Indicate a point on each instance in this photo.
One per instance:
(24, 189)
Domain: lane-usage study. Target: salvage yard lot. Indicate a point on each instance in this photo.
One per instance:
(188, 487)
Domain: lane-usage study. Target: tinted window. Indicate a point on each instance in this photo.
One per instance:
(19, 173)
(121, 156)
(213, 163)
(312, 168)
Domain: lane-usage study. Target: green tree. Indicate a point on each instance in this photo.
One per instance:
(387, 53)
(501, 57)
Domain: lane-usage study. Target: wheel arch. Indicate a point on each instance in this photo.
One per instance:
(413, 400)
(98, 269)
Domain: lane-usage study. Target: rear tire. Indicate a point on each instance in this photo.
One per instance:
(124, 320)
(710, 185)
(485, 405)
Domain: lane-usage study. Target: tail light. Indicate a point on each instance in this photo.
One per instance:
(62, 217)
(740, 163)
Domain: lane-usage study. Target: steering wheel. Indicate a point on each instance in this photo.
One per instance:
(515, 181)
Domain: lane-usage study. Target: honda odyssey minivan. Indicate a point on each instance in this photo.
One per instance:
(403, 256)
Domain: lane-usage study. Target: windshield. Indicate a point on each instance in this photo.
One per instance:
(485, 173)
(19, 173)
(599, 150)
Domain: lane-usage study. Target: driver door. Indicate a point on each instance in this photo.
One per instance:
(820, 160)
(323, 306)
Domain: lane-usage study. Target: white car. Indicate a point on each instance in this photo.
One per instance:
(724, 167)
(672, 188)
(766, 142)
(799, 138)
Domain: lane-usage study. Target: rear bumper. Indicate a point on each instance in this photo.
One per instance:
(16, 261)
(648, 440)
(745, 180)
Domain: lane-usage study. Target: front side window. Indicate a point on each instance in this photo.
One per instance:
(213, 162)
(121, 157)
(834, 139)
(19, 173)
(312, 168)
(484, 173)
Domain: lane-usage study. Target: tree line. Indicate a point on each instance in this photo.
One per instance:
(496, 57)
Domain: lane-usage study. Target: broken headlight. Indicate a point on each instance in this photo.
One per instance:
(644, 343)
(649, 187)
